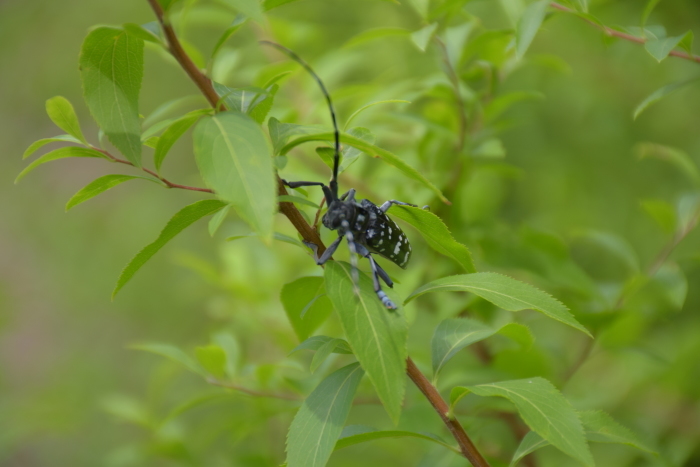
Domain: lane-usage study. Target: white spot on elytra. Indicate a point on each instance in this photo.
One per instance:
(380, 242)
(397, 248)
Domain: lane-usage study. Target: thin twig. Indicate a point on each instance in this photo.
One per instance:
(622, 35)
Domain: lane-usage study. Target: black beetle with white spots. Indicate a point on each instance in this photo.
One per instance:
(364, 225)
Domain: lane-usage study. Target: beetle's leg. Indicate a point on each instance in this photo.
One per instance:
(385, 277)
(386, 301)
(326, 254)
(353, 255)
(300, 184)
(350, 193)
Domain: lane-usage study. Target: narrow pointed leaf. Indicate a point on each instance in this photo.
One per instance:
(235, 160)
(185, 217)
(452, 335)
(316, 342)
(648, 8)
(100, 185)
(376, 335)
(297, 200)
(660, 94)
(170, 352)
(173, 133)
(356, 434)
(111, 66)
(660, 48)
(217, 219)
(504, 292)
(296, 298)
(422, 37)
(251, 8)
(61, 112)
(61, 153)
(323, 353)
(36, 145)
(372, 104)
(545, 410)
(238, 21)
(373, 151)
(674, 156)
(281, 132)
(318, 424)
(263, 104)
(529, 444)
(528, 25)
(435, 233)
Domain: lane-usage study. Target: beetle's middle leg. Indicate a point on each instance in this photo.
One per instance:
(377, 272)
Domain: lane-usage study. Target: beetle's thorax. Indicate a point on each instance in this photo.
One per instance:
(356, 216)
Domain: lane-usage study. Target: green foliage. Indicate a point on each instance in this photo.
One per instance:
(62, 153)
(61, 112)
(98, 186)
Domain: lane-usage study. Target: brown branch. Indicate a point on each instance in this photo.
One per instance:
(310, 235)
(622, 35)
(431, 393)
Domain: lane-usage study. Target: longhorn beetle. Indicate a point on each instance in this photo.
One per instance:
(364, 225)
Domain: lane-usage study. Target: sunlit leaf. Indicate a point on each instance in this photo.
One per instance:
(61, 153)
(36, 145)
(213, 359)
(111, 65)
(528, 25)
(319, 422)
(185, 217)
(173, 133)
(61, 112)
(356, 434)
(504, 292)
(100, 185)
(295, 297)
(235, 160)
(376, 335)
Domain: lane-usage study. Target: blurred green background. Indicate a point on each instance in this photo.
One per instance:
(68, 383)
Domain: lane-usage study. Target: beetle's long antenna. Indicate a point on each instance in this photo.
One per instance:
(336, 156)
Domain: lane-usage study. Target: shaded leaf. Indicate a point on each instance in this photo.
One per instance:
(422, 37)
(61, 112)
(98, 186)
(323, 352)
(504, 292)
(319, 422)
(316, 342)
(281, 132)
(349, 154)
(217, 219)
(251, 8)
(142, 33)
(435, 233)
(659, 48)
(60, 153)
(174, 131)
(662, 213)
(658, 95)
(235, 161)
(295, 297)
(263, 105)
(674, 156)
(500, 104)
(356, 434)
(238, 21)
(648, 8)
(297, 200)
(170, 352)
(36, 145)
(173, 106)
(372, 104)
(374, 34)
(183, 218)
(376, 335)
(111, 65)
(213, 359)
(528, 25)
(270, 4)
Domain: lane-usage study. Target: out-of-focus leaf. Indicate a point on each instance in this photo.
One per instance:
(323, 352)
(659, 94)
(111, 66)
(238, 21)
(185, 217)
(648, 8)
(422, 37)
(662, 213)
(128, 409)
(217, 219)
(270, 4)
(235, 160)
(680, 159)
(371, 150)
(250, 8)
(544, 409)
(686, 42)
(195, 402)
(376, 335)
(504, 292)
(500, 104)
(528, 25)
(455, 40)
(213, 359)
(60, 153)
(688, 211)
(373, 34)
(614, 244)
(350, 154)
(421, 6)
(171, 107)
(241, 99)
(298, 200)
(61, 112)
(661, 47)
(226, 341)
(435, 233)
(173, 133)
(371, 104)
(100, 185)
(297, 295)
(514, 10)
(356, 434)
(674, 284)
(318, 424)
(490, 149)
(170, 352)
(281, 132)
(36, 145)
(316, 342)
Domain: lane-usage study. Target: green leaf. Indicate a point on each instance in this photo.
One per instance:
(615, 245)
(422, 37)
(142, 33)
(349, 154)
(172, 107)
(371, 104)
(183, 218)
(251, 8)
(688, 211)
(374, 34)
(500, 104)
(660, 48)
(263, 104)
(324, 352)
(98, 186)
(270, 4)
(528, 25)
(674, 284)
(61, 112)
(217, 219)
(60, 153)
(170, 352)
(176, 129)
(376, 335)
(306, 295)
(504, 292)
(545, 411)
(281, 132)
(111, 66)
(297, 200)
(599, 427)
(128, 409)
(36, 145)
(232, 351)
(659, 94)
(648, 8)
(316, 342)
(435, 233)
(240, 99)
(452, 335)
(356, 434)
(238, 21)
(492, 148)
(373, 151)
(674, 156)
(662, 213)
(213, 359)
(318, 424)
(235, 160)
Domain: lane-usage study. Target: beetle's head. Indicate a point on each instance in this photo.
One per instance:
(338, 212)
